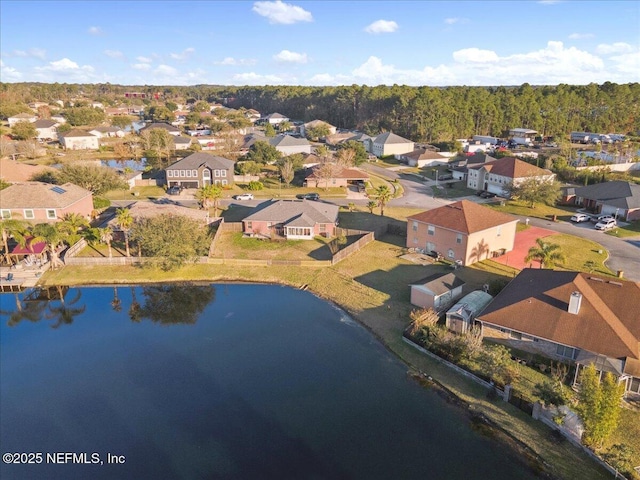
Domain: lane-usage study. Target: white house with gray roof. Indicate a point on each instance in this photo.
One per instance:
(292, 219)
(389, 143)
(200, 169)
(46, 129)
(288, 145)
(276, 118)
(79, 140)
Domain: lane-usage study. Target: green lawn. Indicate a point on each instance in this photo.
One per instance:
(539, 211)
(452, 190)
(136, 193)
(578, 251)
(630, 230)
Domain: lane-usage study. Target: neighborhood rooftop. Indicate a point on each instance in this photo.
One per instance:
(463, 216)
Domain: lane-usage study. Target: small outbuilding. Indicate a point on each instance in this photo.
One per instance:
(460, 317)
(436, 291)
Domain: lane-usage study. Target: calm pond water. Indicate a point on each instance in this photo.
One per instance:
(219, 381)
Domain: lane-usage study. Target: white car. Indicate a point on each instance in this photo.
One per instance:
(601, 218)
(580, 217)
(244, 196)
(607, 224)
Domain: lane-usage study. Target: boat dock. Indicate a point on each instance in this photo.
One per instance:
(19, 277)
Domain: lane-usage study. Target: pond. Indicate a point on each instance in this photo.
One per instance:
(218, 381)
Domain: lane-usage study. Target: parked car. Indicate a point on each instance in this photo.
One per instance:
(244, 196)
(487, 195)
(175, 190)
(580, 217)
(308, 196)
(606, 224)
(600, 218)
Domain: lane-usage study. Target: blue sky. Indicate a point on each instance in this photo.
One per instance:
(320, 43)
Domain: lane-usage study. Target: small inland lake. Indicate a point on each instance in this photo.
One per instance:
(218, 381)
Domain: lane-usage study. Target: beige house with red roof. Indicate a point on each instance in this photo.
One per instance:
(464, 232)
(334, 177)
(42, 202)
(494, 176)
(574, 317)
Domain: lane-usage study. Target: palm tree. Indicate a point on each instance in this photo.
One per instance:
(209, 195)
(65, 313)
(116, 303)
(72, 224)
(124, 220)
(31, 311)
(53, 235)
(479, 250)
(12, 228)
(106, 235)
(382, 195)
(548, 254)
(135, 308)
(371, 205)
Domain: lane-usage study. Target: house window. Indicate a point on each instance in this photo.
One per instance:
(515, 335)
(249, 226)
(206, 174)
(223, 173)
(169, 173)
(6, 214)
(451, 253)
(499, 231)
(459, 238)
(182, 173)
(51, 214)
(415, 240)
(567, 352)
(431, 230)
(216, 173)
(431, 246)
(28, 214)
(323, 228)
(224, 182)
(415, 226)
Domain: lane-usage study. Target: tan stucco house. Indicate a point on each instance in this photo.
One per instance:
(436, 291)
(494, 176)
(464, 232)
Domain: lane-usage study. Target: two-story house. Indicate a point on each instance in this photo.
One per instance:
(42, 202)
(496, 175)
(46, 129)
(200, 169)
(389, 143)
(79, 140)
(464, 232)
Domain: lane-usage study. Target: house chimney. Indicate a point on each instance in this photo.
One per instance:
(574, 303)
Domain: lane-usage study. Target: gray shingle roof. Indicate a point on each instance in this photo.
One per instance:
(165, 126)
(287, 141)
(77, 133)
(440, 283)
(616, 193)
(195, 160)
(387, 138)
(295, 212)
(44, 123)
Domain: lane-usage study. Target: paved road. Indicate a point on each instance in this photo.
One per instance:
(624, 254)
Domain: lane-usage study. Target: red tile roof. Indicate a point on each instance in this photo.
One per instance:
(463, 216)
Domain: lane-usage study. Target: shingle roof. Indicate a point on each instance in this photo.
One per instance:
(165, 126)
(536, 303)
(276, 115)
(44, 123)
(389, 138)
(77, 133)
(150, 210)
(348, 173)
(288, 141)
(464, 217)
(616, 193)
(107, 129)
(512, 167)
(179, 139)
(285, 211)
(195, 160)
(316, 123)
(440, 283)
(41, 195)
(423, 154)
(23, 115)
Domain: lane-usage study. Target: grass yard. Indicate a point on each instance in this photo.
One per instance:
(628, 433)
(630, 230)
(578, 251)
(539, 211)
(136, 193)
(452, 190)
(234, 245)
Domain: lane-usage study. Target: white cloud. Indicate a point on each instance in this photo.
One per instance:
(144, 59)
(32, 52)
(282, 13)
(9, 74)
(95, 31)
(252, 78)
(114, 53)
(67, 70)
(165, 70)
(141, 66)
(382, 26)
(285, 56)
(580, 36)
(452, 21)
(618, 47)
(186, 53)
(474, 55)
(237, 61)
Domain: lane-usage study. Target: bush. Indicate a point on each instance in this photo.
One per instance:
(255, 186)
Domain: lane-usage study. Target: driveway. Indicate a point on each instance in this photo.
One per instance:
(523, 242)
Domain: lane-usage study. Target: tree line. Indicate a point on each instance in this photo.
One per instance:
(423, 114)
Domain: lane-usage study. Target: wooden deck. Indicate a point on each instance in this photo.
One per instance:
(22, 277)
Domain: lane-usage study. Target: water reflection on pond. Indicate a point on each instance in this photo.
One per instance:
(220, 381)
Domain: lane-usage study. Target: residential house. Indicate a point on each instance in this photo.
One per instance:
(616, 198)
(141, 210)
(578, 318)
(323, 177)
(253, 115)
(46, 129)
(338, 138)
(288, 145)
(314, 124)
(36, 105)
(436, 291)
(460, 171)
(108, 132)
(496, 175)
(21, 117)
(79, 140)
(276, 119)
(292, 219)
(182, 143)
(424, 158)
(461, 316)
(40, 202)
(311, 160)
(464, 232)
(389, 143)
(59, 119)
(164, 126)
(115, 111)
(200, 169)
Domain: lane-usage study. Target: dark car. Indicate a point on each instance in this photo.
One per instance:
(308, 196)
(487, 195)
(175, 190)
